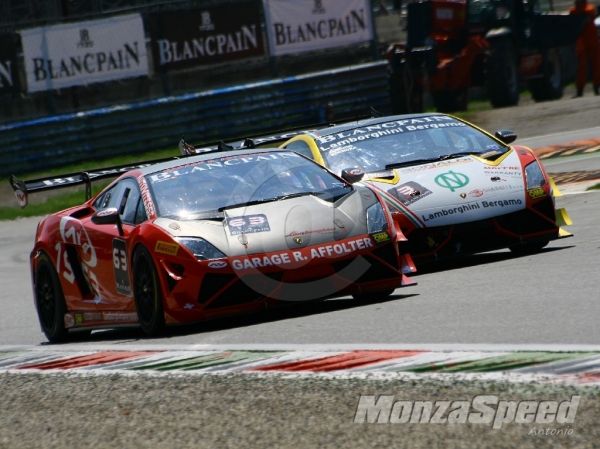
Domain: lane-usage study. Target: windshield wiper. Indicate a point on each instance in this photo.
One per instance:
(268, 200)
(296, 195)
(429, 160)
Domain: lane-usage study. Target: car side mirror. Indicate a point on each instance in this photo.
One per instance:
(108, 216)
(352, 175)
(505, 135)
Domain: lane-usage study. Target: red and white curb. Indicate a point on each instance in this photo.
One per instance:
(545, 364)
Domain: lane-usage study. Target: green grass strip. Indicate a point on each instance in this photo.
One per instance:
(208, 361)
(596, 187)
(504, 362)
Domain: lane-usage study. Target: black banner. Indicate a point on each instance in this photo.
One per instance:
(9, 70)
(182, 39)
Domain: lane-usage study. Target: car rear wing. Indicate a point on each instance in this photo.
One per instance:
(246, 144)
(259, 141)
(22, 189)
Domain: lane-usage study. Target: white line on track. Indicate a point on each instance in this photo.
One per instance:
(307, 347)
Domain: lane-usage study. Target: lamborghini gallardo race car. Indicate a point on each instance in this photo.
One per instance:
(452, 188)
(206, 236)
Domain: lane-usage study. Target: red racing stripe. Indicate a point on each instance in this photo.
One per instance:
(349, 360)
(89, 360)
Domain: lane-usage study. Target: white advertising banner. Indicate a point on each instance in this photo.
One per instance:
(296, 26)
(81, 53)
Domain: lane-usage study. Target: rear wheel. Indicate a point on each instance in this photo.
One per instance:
(502, 73)
(528, 248)
(147, 293)
(370, 296)
(549, 86)
(50, 300)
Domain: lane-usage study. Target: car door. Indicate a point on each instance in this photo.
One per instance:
(113, 249)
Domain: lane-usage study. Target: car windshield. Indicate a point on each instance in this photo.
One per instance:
(404, 142)
(205, 188)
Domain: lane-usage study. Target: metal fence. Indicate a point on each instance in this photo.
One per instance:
(202, 117)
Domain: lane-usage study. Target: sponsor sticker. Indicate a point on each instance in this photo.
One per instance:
(166, 248)
(292, 259)
(346, 140)
(476, 193)
(381, 237)
(476, 205)
(69, 320)
(536, 193)
(314, 231)
(121, 267)
(248, 224)
(410, 192)
(451, 180)
(114, 316)
(217, 264)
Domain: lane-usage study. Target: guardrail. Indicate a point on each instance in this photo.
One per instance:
(201, 117)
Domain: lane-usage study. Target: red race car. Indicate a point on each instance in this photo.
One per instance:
(207, 236)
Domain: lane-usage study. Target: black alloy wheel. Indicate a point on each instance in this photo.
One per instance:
(50, 300)
(147, 293)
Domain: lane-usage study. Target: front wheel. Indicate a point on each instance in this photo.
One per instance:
(147, 293)
(370, 296)
(50, 300)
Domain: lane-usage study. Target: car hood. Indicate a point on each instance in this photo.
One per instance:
(457, 190)
(279, 225)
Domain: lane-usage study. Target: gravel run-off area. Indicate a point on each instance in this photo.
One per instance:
(258, 411)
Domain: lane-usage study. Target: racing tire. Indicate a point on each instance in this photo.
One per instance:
(50, 300)
(502, 73)
(528, 248)
(550, 85)
(147, 293)
(371, 296)
(450, 101)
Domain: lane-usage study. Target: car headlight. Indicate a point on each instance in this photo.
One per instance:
(376, 219)
(200, 248)
(534, 176)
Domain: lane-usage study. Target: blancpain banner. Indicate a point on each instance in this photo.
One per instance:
(296, 26)
(81, 53)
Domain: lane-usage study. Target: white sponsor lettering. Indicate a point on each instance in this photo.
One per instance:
(289, 257)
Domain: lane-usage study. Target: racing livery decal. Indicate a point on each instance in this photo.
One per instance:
(409, 192)
(166, 248)
(248, 224)
(381, 237)
(121, 267)
(451, 180)
(294, 259)
(536, 193)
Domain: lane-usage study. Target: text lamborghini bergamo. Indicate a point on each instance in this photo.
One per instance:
(207, 236)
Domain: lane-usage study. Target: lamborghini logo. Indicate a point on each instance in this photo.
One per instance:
(298, 240)
(463, 195)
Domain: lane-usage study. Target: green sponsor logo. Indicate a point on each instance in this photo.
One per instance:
(451, 180)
